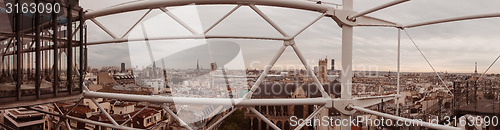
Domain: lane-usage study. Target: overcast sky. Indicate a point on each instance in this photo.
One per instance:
(451, 47)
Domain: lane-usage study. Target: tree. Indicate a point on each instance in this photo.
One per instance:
(489, 95)
(236, 121)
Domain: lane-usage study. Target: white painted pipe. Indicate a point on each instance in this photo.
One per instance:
(376, 8)
(86, 120)
(207, 101)
(264, 73)
(296, 4)
(264, 118)
(222, 119)
(268, 20)
(122, 40)
(181, 122)
(310, 71)
(453, 19)
(346, 78)
(309, 118)
(104, 111)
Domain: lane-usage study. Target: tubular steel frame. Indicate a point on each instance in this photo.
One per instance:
(346, 18)
(26, 48)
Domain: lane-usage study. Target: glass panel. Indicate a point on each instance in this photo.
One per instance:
(49, 57)
(8, 62)
(7, 83)
(46, 68)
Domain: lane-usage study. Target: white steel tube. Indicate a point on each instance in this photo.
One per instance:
(222, 119)
(85, 87)
(73, 107)
(310, 71)
(484, 73)
(309, 118)
(120, 40)
(376, 8)
(271, 22)
(397, 118)
(178, 20)
(309, 25)
(429, 63)
(104, 28)
(264, 73)
(137, 113)
(268, 122)
(183, 37)
(326, 2)
(61, 113)
(100, 123)
(221, 19)
(85, 120)
(181, 122)
(398, 75)
(453, 19)
(296, 4)
(70, 110)
(346, 78)
(68, 126)
(207, 101)
(135, 24)
(104, 111)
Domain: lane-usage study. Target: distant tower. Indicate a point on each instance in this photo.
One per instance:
(123, 67)
(333, 64)
(475, 71)
(154, 70)
(165, 78)
(197, 65)
(213, 66)
(322, 72)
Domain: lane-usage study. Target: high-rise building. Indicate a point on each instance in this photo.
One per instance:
(197, 65)
(123, 67)
(322, 72)
(333, 65)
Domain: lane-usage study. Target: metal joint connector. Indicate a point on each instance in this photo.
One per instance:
(289, 42)
(329, 104)
(399, 26)
(348, 107)
(349, 18)
(330, 13)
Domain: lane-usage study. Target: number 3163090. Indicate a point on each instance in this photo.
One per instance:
(32, 8)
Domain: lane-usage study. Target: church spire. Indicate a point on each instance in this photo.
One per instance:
(475, 70)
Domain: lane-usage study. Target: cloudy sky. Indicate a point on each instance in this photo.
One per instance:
(451, 47)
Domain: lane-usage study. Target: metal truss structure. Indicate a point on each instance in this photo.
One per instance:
(25, 43)
(345, 17)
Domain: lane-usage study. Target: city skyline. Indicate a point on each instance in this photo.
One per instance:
(206, 65)
(448, 52)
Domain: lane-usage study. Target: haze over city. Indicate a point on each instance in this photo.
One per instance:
(451, 47)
